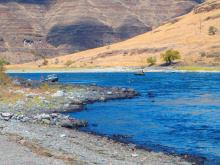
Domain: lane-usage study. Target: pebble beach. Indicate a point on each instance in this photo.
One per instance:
(33, 144)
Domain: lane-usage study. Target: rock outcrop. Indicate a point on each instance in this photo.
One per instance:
(206, 7)
(36, 29)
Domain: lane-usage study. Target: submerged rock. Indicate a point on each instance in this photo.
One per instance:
(150, 94)
(118, 136)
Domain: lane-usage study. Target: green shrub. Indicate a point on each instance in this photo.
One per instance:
(45, 62)
(170, 55)
(151, 60)
(212, 30)
(4, 78)
(2, 65)
(20, 113)
(45, 87)
(68, 63)
(39, 54)
(203, 54)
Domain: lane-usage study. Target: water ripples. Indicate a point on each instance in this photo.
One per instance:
(183, 116)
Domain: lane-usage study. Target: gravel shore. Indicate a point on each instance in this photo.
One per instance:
(25, 143)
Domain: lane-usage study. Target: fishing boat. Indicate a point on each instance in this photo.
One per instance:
(52, 78)
(139, 73)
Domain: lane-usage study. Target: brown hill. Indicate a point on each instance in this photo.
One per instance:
(188, 34)
(35, 29)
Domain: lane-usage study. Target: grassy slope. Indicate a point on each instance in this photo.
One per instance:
(184, 35)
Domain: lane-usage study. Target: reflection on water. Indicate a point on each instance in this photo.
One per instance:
(184, 115)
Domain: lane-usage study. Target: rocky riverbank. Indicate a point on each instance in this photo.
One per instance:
(34, 97)
(33, 130)
(29, 143)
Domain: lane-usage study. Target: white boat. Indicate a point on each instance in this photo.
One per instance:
(52, 78)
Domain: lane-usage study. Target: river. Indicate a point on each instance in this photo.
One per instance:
(183, 116)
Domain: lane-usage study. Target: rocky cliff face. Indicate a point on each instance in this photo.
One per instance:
(36, 29)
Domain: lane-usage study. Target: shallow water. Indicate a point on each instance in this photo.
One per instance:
(184, 117)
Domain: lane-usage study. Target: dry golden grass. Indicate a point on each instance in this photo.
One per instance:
(188, 35)
(10, 92)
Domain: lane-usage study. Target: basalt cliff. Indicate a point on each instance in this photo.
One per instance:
(36, 29)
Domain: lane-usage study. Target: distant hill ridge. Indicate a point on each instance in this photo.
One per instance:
(189, 34)
(31, 30)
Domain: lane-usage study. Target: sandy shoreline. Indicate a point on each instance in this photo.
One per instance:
(169, 69)
(104, 69)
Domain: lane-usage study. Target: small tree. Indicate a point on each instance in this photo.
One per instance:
(45, 62)
(2, 65)
(68, 63)
(151, 60)
(4, 78)
(212, 30)
(170, 55)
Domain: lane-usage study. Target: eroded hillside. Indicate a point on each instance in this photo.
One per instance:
(36, 29)
(189, 34)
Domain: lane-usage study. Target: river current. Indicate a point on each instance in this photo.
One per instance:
(182, 117)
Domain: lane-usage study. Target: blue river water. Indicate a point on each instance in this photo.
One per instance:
(183, 117)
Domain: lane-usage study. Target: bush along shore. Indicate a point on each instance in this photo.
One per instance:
(32, 120)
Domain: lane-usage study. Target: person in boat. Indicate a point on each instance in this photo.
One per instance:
(142, 71)
(42, 78)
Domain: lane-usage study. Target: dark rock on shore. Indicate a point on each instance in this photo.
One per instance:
(63, 98)
(66, 123)
(49, 119)
(72, 101)
(118, 136)
(18, 80)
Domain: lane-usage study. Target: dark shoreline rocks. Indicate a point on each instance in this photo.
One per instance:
(131, 146)
(72, 101)
(48, 119)
(119, 136)
(56, 99)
